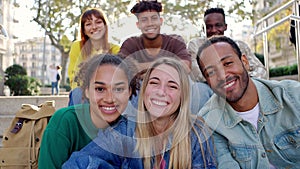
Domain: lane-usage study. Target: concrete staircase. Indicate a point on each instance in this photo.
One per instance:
(9, 105)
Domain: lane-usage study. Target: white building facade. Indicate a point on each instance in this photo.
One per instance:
(32, 56)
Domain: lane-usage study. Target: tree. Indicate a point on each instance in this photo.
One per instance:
(59, 18)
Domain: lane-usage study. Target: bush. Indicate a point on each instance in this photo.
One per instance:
(15, 70)
(19, 83)
(294, 69)
(284, 70)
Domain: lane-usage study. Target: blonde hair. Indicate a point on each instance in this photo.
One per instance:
(180, 152)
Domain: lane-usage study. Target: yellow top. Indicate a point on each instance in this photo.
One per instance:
(76, 59)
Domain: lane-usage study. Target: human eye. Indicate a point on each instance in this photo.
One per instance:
(210, 72)
(99, 21)
(119, 89)
(227, 63)
(88, 23)
(143, 20)
(219, 25)
(99, 89)
(173, 86)
(154, 18)
(208, 27)
(153, 82)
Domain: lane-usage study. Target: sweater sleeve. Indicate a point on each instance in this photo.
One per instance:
(74, 60)
(114, 48)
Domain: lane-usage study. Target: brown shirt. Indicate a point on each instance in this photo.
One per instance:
(172, 45)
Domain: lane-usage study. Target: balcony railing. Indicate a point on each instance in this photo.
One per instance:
(262, 27)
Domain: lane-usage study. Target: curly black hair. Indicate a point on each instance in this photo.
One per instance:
(88, 68)
(215, 10)
(146, 6)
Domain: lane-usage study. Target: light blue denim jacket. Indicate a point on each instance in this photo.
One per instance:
(115, 148)
(277, 138)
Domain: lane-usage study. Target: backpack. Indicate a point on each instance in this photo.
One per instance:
(57, 77)
(21, 140)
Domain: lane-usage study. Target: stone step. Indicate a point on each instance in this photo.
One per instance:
(11, 104)
(5, 121)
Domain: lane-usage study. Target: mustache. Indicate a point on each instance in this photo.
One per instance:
(222, 83)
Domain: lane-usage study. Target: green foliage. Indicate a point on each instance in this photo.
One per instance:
(60, 18)
(279, 71)
(284, 70)
(19, 83)
(15, 70)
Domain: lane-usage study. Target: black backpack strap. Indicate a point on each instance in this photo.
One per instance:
(18, 126)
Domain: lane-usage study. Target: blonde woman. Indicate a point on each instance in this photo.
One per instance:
(165, 135)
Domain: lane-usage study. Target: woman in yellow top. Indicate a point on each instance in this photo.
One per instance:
(94, 40)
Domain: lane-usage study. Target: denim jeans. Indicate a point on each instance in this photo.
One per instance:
(75, 97)
(54, 85)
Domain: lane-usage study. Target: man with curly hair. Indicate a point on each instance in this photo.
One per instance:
(145, 48)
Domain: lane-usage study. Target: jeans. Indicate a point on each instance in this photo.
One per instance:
(54, 85)
(75, 97)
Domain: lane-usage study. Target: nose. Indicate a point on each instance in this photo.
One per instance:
(94, 25)
(161, 91)
(214, 29)
(150, 22)
(109, 96)
(221, 72)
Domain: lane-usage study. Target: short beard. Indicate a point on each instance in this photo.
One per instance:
(245, 78)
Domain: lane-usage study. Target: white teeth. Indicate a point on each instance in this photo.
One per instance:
(109, 108)
(229, 85)
(159, 103)
(150, 30)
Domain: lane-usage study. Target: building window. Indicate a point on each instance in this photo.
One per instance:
(33, 65)
(33, 74)
(33, 56)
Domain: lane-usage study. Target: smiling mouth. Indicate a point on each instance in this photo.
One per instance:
(159, 103)
(95, 32)
(228, 85)
(152, 30)
(109, 108)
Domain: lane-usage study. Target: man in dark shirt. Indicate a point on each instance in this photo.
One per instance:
(151, 44)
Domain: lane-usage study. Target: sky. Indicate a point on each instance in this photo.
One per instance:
(26, 29)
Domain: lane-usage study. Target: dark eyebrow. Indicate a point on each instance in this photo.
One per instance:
(101, 83)
(224, 58)
(117, 84)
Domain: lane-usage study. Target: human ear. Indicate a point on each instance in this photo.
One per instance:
(161, 21)
(245, 62)
(225, 27)
(87, 95)
(137, 25)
